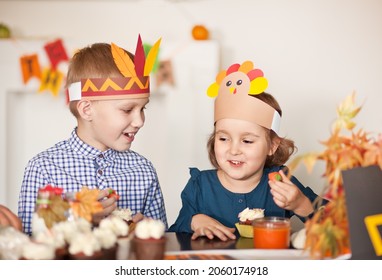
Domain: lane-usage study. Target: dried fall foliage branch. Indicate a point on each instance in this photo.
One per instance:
(327, 233)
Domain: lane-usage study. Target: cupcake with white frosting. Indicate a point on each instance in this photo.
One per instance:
(117, 225)
(85, 246)
(149, 242)
(246, 217)
(12, 242)
(38, 251)
(53, 239)
(108, 242)
(126, 215)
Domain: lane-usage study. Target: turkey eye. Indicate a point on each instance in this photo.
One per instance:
(239, 82)
(228, 83)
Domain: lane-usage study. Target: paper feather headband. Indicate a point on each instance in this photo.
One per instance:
(135, 82)
(233, 90)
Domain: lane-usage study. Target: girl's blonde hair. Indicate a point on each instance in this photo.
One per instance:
(94, 61)
(286, 146)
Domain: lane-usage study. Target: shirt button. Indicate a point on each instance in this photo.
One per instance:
(100, 172)
(100, 156)
(240, 201)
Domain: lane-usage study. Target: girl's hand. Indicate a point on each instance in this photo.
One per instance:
(288, 196)
(204, 225)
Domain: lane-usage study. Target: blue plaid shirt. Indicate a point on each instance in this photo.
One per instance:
(72, 164)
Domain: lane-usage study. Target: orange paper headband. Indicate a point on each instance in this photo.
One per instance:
(135, 82)
(233, 89)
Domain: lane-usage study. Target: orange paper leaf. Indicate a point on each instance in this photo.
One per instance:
(123, 61)
(151, 58)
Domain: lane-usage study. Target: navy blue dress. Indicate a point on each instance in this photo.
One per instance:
(204, 194)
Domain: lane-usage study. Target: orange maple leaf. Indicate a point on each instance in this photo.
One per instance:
(86, 203)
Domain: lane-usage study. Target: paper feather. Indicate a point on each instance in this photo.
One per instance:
(151, 57)
(139, 59)
(123, 61)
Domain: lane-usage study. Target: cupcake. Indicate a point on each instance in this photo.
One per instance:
(120, 229)
(108, 241)
(53, 239)
(246, 217)
(85, 246)
(149, 242)
(12, 242)
(38, 251)
(117, 225)
(127, 215)
(69, 229)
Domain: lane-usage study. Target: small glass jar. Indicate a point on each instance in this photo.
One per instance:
(271, 233)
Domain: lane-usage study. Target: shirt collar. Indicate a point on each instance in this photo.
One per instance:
(86, 150)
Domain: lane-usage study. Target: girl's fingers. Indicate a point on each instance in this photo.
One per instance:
(222, 233)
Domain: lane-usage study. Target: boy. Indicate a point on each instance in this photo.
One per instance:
(108, 90)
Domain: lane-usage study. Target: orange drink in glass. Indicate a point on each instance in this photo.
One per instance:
(271, 233)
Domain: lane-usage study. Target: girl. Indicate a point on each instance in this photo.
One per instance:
(244, 148)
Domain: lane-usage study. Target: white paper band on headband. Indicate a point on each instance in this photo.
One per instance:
(74, 91)
(276, 123)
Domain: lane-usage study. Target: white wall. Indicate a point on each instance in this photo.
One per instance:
(314, 53)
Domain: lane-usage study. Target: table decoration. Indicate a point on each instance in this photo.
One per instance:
(327, 233)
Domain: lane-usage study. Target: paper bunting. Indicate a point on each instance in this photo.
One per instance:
(51, 80)
(56, 53)
(30, 67)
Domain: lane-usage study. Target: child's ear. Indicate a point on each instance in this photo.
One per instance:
(274, 145)
(84, 108)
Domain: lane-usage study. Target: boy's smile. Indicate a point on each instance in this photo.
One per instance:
(130, 136)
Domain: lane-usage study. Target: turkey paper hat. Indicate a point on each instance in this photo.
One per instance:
(135, 82)
(233, 90)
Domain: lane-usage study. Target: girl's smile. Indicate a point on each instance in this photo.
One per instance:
(241, 149)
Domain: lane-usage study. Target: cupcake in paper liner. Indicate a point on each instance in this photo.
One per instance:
(246, 217)
(108, 241)
(149, 242)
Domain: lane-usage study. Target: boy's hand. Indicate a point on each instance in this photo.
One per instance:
(109, 204)
(288, 196)
(138, 217)
(113, 193)
(203, 225)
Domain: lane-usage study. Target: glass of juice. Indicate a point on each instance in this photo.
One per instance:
(271, 233)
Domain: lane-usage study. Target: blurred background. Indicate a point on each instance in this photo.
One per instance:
(313, 53)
